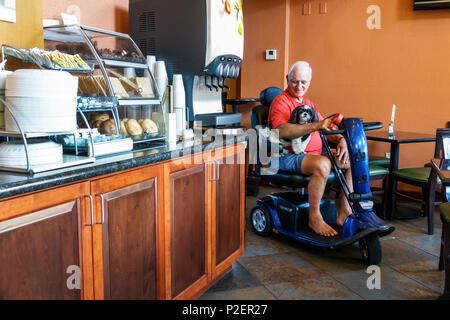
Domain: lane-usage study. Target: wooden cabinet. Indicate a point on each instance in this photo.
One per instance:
(204, 200)
(45, 245)
(187, 211)
(228, 208)
(127, 247)
(166, 231)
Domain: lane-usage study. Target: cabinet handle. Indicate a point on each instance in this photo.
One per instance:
(218, 170)
(92, 210)
(102, 197)
(214, 171)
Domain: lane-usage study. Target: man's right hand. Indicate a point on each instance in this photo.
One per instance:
(326, 123)
(294, 131)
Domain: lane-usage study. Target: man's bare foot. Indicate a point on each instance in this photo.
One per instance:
(320, 227)
(342, 216)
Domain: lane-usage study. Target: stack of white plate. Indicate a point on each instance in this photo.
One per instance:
(40, 152)
(3, 75)
(42, 101)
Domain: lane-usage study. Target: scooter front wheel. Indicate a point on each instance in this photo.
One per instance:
(261, 220)
(370, 248)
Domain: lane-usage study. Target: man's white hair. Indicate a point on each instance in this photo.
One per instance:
(300, 65)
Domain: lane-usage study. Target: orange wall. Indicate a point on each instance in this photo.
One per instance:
(105, 14)
(26, 32)
(356, 71)
(265, 28)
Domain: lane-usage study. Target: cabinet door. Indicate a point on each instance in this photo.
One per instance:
(42, 254)
(228, 207)
(126, 235)
(187, 227)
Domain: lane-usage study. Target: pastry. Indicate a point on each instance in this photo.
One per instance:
(108, 127)
(99, 116)
(95, 124)
(134, 128)
(123, 128)
(149, 126)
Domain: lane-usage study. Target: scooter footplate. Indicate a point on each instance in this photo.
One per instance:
(310, 234)
(309, 237)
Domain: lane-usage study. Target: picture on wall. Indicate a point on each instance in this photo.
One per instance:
(8, 10)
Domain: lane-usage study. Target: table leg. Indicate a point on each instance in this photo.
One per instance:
(390, 196)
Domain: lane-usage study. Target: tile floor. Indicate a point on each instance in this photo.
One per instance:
(279, 268)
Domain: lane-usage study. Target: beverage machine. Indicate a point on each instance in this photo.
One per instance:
(201, 39)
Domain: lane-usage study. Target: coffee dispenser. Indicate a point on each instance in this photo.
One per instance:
(201, 39)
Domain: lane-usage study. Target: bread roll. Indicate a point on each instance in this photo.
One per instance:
(95, 124)
(108, 127)
(149, 126)
(123, 128)
(99, 116)
(133, 127)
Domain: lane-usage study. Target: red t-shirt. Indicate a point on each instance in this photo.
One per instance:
(280, 112)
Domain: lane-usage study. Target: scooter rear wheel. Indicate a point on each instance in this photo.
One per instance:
(261, 220)
(370, 248)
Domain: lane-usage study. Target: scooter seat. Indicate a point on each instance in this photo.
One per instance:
(291, 179)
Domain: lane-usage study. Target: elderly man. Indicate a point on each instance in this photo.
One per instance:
(311, 162)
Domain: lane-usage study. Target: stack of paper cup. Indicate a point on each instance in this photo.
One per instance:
(162, 81)
(130, 73)
(3, 75)
(171, 126)
(151, 65)
(179, 103)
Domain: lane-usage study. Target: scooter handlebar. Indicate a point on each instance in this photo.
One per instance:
(366, 125)
(372, 126)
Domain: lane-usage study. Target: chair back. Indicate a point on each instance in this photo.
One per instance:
(446, 146)
(443, 151)
(267, 95)
(260, 114)
(259, 117)
(442, 136)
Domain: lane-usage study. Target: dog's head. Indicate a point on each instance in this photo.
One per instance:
(304, 114)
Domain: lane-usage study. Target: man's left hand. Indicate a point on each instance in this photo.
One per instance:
(342, 151)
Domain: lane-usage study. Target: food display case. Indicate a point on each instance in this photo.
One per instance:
(120, 87)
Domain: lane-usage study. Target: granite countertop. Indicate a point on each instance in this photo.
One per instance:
(12, 184)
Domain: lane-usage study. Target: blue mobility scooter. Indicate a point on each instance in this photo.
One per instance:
(286, 212)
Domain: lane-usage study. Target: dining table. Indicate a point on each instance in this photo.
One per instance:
(395, 139)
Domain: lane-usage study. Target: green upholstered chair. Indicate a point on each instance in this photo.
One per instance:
(377, 172)
(423, 177)
(379, 161)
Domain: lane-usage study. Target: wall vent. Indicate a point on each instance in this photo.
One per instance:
(147, 46)
(147, 21)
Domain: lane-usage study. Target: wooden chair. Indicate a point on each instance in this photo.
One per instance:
(444, 209)
(444, 256)
(423, 177)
